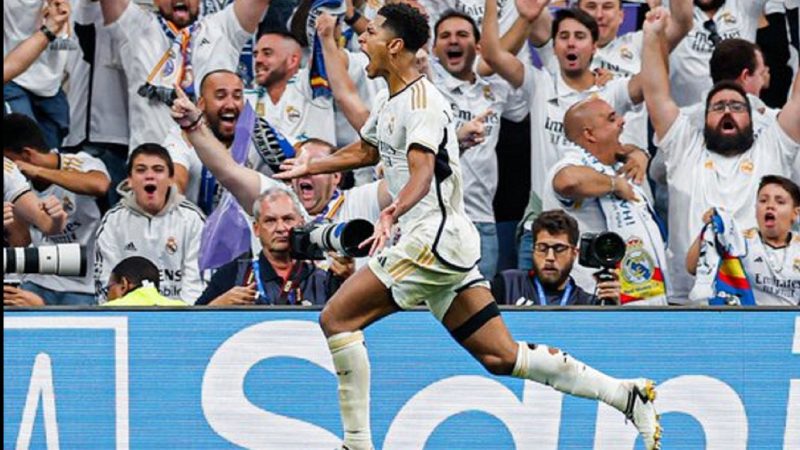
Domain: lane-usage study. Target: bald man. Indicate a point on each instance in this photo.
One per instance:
(284, 95)
(588, 184)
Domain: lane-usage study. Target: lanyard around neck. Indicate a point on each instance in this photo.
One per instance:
(543, 299)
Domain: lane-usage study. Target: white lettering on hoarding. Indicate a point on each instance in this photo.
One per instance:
(791, 439)
(40, 388)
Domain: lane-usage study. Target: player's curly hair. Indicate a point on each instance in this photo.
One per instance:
(407, 23)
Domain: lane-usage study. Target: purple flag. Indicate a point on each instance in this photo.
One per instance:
(226, 233)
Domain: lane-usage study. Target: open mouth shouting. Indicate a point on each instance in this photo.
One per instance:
(769, 219)
(455, 55)
(728, 126)
(306, 188)
(150, 190)
(180, 12)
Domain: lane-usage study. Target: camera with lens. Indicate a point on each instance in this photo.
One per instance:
(311, 241)
(68, 260)
(601, 251)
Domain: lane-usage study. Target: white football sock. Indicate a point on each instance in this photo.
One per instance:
(567, 374)
(352, 369)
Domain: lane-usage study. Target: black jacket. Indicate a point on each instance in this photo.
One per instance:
(515, 287)
(311, 285)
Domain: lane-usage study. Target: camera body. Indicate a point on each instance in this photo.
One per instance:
(68, 260)
(312, 240)
(601, 250)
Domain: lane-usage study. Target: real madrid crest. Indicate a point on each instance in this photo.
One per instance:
(796, 265)
(728, 17)
(292, 113)
(746, 167)
(709, 164)
(172, 245)
(637, 265)
(626, 53)
(488, 94)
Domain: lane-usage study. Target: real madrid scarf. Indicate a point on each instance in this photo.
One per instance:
(720, 276)
(641, 270)
(317, 74)
(174, 67)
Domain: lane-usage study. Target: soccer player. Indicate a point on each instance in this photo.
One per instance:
(411, 131)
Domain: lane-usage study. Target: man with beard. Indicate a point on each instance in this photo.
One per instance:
(169, 47)
(284, 96)
(152, 220)
(555, 248)
(221, 101)
(714, 21)
(717, 166)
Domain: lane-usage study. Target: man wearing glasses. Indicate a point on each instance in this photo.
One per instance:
(719, 165)
(555, 240)
(714, 21)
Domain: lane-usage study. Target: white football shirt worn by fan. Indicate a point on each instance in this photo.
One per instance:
(688, 63)
(83, 218)
(14, 182)
(98, 103)
(699, 179)
(140, 43)
(774, 273)
(297, 115)
(549, 98)
(479, 162)
(419, 116)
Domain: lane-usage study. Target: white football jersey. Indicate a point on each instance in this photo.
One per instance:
(14, 182)
(774, 274)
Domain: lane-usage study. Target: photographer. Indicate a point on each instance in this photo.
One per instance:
(555, 240)
(79, 181)
(274, 278)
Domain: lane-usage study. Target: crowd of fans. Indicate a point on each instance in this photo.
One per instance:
(668, 125)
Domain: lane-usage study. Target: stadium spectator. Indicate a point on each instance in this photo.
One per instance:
(587, 183)
(77, 181)
(221, 101)
(284, 96)
(156, 51)
(575, 34)
(97, 96)
(134, 282)
(274, 278)
(21, 208)
(718, 165)
(37, 92)
(56, 17)
(155, 221)
(772, 262)
(484, 101)
(555, 249)
(714, 21)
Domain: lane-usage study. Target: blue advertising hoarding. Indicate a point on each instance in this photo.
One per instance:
(264, 379)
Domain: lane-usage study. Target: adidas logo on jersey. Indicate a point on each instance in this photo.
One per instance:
(759, 259)
(130, 247)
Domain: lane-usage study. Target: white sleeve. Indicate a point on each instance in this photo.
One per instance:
(635, 130)
(192, 284)
(570, 159)
(787, 149)
(14, 182)
(547, 56)
(516, 106)
(107, 254)
(680, 140)
(426, 126)
(89, 164)
(228, 23)
(178, 149)
(133, 24)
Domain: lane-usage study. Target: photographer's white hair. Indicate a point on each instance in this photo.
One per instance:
(273, 193)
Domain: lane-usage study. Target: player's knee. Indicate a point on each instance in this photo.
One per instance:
(497, 364)
(328, 323)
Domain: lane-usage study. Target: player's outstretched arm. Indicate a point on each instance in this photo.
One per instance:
(654, 76)
(244, 183)
(353, 156)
